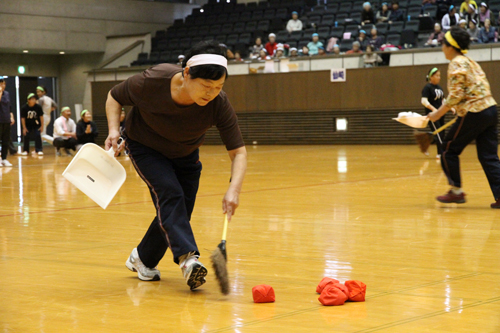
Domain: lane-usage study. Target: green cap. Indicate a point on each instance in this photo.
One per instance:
(40, 88)
(432, 72)
(65, 108)
(83, 112)
(31, 96)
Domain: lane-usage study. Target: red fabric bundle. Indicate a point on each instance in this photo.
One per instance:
(323, 283)
(332, 295)
(263, 294)
(357, 290)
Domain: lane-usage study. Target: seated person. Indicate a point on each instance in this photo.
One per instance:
(86, 129)
(450, 19)
(397, 14)
(263, 55)
(280, 52)
(313, 46)
(237, 57)
(383, 14)
(294, 52)
(436, 38)
(271, 46)
(370, 58)
(464, 7)
(64, 132)
(376, 41)
(367, 15)
(321, 51)
(471, 14)
(427, 3)
(356, 48)
(363, 40)
(488, 34)
(255, 50)
(32, 122)
(484, 13)
(473, 31)
(304, 52)
(336, 50)
(294, 24)
(463, 24)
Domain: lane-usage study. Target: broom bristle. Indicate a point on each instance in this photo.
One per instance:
(424, 140)
(219, 265)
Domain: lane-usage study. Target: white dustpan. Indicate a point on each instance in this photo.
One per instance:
(96, 173)
(415, 122)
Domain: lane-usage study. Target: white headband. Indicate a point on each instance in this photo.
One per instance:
(207, 59)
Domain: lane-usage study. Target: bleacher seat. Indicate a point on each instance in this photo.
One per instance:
(328, 20)
(355, 17)
(246, 38)
(227, 28)
(240, 7)
(232, 39)
(396, 27)
(239, 27)
(154, 57)
(282, 36)
(251, 6)
(173, 44)
(345, 45)
(301, 44)
(368, 28)
(393, 38)
(201, 20)
(431, 11)
(269, 14)
(382, 28)
(296, 35)
(196, 40)
(257, 15)
(414, 12)
(178, 22)
(408, 39)
(263, 5)
(324, 32)
(345, 7)
(314, 20)
(282, 13)
(162, 45)
(341, 18)
(233, 17)
(245, 16)
(251, 26)
(320, 9)
(415, 3)
(223, 18)
(192, 32)
(412, 25)
(164, 56)
(353, 29)
(337, 32)
(142, 59)
(309, 31)
(221, 38)
(215, 29)
(332, 7)
(264, 25)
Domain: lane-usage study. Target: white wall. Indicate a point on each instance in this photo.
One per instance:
(76, 26)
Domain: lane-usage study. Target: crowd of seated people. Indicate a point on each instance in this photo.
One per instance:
(321, 27)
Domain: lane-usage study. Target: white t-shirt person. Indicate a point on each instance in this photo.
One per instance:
(48, 105)
(63, 125)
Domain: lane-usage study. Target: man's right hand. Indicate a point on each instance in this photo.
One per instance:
(25, 131)
(112, 142)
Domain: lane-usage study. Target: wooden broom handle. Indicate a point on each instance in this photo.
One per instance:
(224, 231)
(445, 126)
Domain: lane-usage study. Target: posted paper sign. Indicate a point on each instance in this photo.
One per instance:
(338, 75)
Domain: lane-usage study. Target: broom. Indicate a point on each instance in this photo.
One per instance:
(219, 259)
(424, 139)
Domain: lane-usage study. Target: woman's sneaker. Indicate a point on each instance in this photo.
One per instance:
(24, 153)
(193, 271)
(451, 197)
(5, 163)
(40, 153)
(144, 273)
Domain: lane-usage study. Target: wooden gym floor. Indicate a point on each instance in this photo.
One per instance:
(348, 212)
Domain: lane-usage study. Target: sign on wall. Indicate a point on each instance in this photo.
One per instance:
(338, 75)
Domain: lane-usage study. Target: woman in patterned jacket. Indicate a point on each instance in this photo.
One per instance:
(470, 95)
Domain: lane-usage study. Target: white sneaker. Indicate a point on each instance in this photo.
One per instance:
(135, 264)
(24, 153)
(40, 153)
(194, 272)
(438, 156)
(6, 163)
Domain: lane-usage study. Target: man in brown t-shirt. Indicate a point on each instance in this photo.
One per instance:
(172, 110)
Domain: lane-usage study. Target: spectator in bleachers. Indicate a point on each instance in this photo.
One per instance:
(180, 58)
(271, 46)
(484, 13)
(263, 55)
(294, 52)
(427, 3)
(294, 24)
(314, 44)
(436, 38)
(305, 51)
(471, 14)
(280, 52)
(450, 19)
(488, 34)
(255, 50)
(473, 31)
(356, 49)
(464, 7)
(397, 14)
(363, 40)
(384, 13)
(321, 51)
(367, 15)
(463, 24)
(370, 58)
(336, 50)
(376, 41)
(237, 56)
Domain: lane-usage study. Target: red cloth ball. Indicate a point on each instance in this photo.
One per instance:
(332, 295)
(357, 290)
(340, 286)
(324, 282)
(263, 294)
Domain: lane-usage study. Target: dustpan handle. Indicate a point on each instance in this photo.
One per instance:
(111, 151)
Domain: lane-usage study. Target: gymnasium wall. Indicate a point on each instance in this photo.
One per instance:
(79, 25)
(302, 107)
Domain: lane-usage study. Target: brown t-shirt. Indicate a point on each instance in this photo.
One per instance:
(173, 130)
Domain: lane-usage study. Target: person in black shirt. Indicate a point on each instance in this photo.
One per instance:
(432, 99)
(86, 129)
(397, 14)
(32, 121)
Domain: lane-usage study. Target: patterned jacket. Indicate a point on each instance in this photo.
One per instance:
(468, 87)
